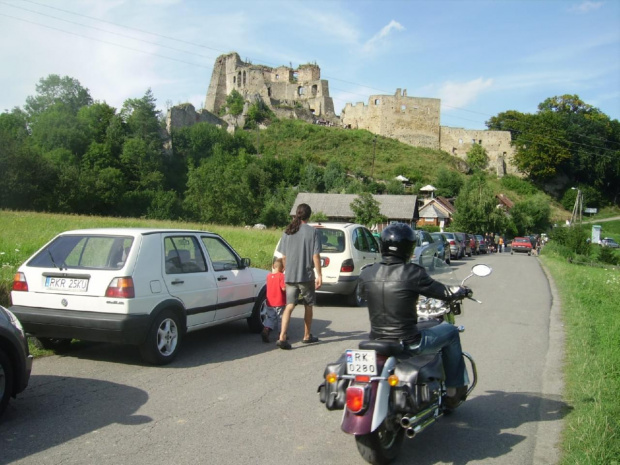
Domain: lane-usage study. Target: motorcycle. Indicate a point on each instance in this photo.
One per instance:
(387, 392)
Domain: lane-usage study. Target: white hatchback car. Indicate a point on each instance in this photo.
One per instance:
(345, 249)
(146, 287)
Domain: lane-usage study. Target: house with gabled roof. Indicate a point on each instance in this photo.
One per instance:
(436, 212)
(337, 207)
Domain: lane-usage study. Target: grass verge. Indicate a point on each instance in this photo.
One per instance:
(590, 308)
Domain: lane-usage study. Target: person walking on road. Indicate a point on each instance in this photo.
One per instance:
(300, 247)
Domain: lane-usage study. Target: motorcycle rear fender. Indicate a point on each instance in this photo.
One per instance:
(377, 409)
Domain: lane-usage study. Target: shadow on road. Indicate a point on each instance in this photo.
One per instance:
(78, 406)
(478, 429)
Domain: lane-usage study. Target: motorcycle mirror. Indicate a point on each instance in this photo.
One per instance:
(481, 270)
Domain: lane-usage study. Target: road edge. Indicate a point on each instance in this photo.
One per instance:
(547, 450)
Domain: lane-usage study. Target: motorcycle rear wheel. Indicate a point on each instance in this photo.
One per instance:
(382, 445)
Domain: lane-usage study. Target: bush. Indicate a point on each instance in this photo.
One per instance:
(607, 255)
(573, 238)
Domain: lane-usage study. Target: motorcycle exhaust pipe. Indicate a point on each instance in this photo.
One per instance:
(411, 431)
(406, 422)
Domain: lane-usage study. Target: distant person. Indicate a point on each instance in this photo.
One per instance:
(501, 244)
(276, 299)
(496, 240)
(300, 247)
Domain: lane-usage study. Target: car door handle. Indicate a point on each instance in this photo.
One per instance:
(222, 278)
(177, 281)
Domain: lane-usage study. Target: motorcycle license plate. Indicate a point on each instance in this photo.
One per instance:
(361, 362)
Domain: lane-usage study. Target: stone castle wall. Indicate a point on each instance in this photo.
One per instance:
(412, 120)
(458, 141)
(416, 121)
(186, 115)
(276, 86)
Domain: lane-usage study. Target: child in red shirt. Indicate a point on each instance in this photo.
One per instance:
(276, 299)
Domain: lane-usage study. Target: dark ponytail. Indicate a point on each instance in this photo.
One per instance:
(302, 213)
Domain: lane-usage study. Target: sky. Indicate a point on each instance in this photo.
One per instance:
(479, 57)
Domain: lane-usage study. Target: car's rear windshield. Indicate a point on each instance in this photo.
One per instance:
(521, 239)
(92, 252)
(332, 240)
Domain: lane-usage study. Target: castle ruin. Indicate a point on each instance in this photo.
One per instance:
(416, 121)
(278, 87)
(301, 93)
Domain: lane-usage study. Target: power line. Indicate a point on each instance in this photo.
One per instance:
(219, 51)
(105, 41)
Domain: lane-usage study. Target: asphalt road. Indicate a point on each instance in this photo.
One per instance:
(231, 399)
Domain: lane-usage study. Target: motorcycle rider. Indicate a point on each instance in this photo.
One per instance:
(392, 288)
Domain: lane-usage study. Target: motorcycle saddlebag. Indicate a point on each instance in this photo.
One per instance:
(333, 395)
(420, 381)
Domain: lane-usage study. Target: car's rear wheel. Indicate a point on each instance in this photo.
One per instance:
(6, 380)
(259, 312)
(163, 339)
(54, 343)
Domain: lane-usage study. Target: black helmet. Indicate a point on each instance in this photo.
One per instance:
(398, 240)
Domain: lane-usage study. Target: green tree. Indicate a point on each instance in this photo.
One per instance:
(531, 215)
(476, 208)
(448, 183)
(334, 177)
(234, 104)
(366, 210)
(55, 90)
(477, 157)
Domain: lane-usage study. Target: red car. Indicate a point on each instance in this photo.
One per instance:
(521, 244)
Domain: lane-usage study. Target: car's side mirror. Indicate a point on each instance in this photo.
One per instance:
(425, 243)
(245, 262)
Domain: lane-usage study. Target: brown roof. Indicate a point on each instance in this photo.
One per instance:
(505, 201)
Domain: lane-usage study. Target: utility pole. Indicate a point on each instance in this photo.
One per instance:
(577, 208)
(374, 153)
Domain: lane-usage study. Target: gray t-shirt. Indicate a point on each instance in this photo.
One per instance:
(298, 249)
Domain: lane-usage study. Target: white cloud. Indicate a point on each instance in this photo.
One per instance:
(457, 95)
(586, 7)
(382, 35)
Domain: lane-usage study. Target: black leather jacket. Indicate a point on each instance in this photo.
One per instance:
(391, 289)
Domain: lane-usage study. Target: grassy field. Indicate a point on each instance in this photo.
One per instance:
(589, 298)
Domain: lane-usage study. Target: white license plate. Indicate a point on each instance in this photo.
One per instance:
(66, 284)
(361, 362)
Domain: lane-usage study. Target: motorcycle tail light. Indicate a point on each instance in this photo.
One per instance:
(121, 288)
(355, 399)
(347, 266)
(331, 378)
(19, 282)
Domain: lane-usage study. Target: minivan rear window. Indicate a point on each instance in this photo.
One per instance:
(84, 252)
(332, 240)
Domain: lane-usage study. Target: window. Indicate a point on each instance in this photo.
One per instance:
(84, 252)
(359, 240)
(277, 77)
(372, 242)
(183, 255)
(239, 79)
(222, 257)
(403, 108)
(234, 79)
(244, 78)
(268, 91)
(473, 141)
(314, 90)
(460, 141)
(301, 90)
(377, 101)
